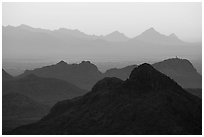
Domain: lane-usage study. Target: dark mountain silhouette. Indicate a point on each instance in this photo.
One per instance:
(6, 76)
(45, 90)
(83, 75)
(195, 91)
(86, 74)
(181, 70)
(63, 42)
(18, 110)
(122, 73)
(148, 102)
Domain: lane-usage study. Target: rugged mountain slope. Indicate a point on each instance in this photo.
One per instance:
(195, 91)
(6, 76)
(45, 90)
(148, 102)
(181, 70)
(122, 73)
(83, 75)
(18, 110)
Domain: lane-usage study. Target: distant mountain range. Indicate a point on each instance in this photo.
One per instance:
(152, 36)
(24, 41)
(148, 102)
(86, 74)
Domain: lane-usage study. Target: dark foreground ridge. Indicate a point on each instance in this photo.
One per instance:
(18, 110)
(148, 102)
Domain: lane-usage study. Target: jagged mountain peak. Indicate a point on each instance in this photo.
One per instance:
(115, 36)
(143, 72)
(147, 77)
(61, 63)
(174, 37)
(150, 35)
(85, 62)
(154, 37)
(107, 83)
(150, 31)
(87, 66)
(147, 103)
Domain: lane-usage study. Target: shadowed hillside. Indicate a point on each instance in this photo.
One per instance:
(181, 70)
(86, 74)
(83, 75)
(18, 110)
(6, 76)
(122, 73)
(148, 102)
(27, 99)
(195, 91)
(45, 90)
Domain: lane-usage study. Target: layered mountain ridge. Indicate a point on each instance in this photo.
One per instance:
(83, 75)
(27, 99)
(113, 36)
(148, 102)
(17, 39)
(44, 90)
(86, 74)
(152, 36)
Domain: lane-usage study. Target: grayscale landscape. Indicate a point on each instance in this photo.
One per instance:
(102, 68)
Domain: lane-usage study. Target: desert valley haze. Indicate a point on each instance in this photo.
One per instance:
(101, 69)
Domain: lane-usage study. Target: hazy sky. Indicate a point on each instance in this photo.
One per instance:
(183, 19)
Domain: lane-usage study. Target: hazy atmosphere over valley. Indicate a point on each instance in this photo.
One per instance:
(102, 68)
(100, 32)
